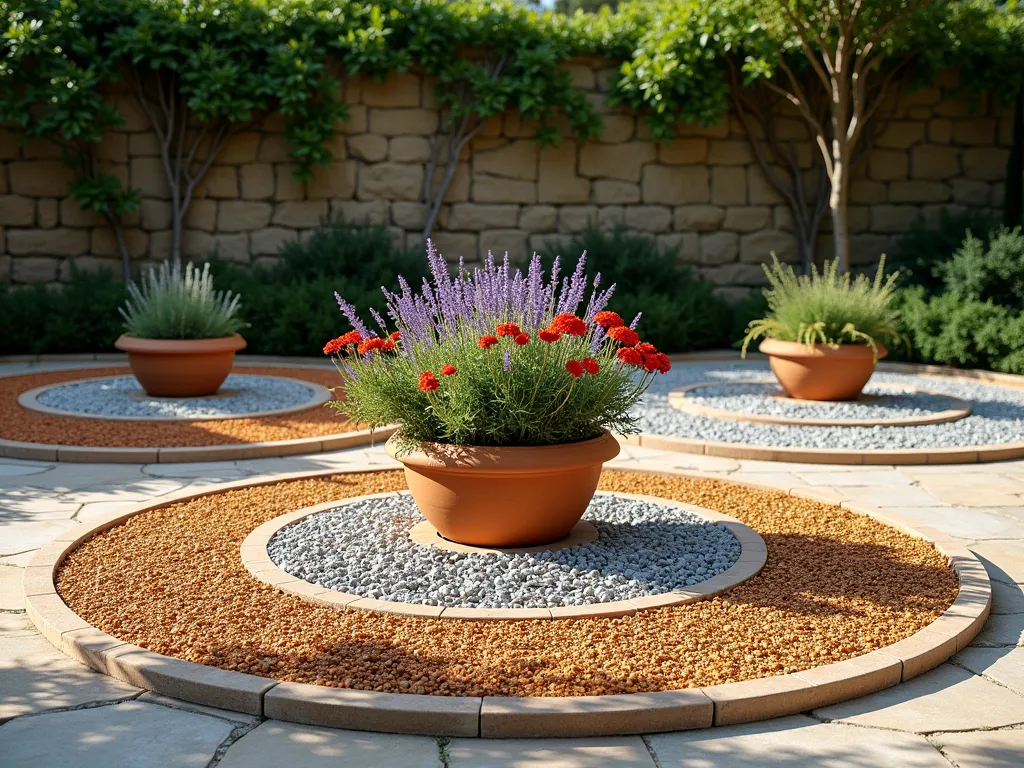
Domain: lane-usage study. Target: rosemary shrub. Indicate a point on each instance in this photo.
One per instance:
(828, 308)
(492, 357)
(180, 303)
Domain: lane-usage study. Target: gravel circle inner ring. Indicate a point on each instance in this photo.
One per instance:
(643, 548)
(122, 397)
(766, 402)
(836, 585)
(997, 416)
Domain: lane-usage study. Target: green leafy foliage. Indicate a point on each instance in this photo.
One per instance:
(921, 252)
(681, 313)
(988, 273)
(173, 302)
(828, 308)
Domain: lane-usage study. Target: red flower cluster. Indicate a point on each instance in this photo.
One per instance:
(428, 382)
(590, 365)
(336, 345)
(569, 324)
(522, 339)
(608, 319)
(487, 341)
(448, 369)
(630, 356)
(388, 346)
(578, 367)
(645, 356)
(548, 335)
(372, 344)
(657, 361)
(396, 336)
(627, 337)
(507, 329)
(575, 367)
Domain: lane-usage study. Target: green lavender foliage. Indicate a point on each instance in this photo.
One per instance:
(173, 302)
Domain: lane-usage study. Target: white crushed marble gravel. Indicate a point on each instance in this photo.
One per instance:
(114, 397)
(997, 416)
(898, 402)
(642, 548)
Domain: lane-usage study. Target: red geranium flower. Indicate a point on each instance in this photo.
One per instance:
(487, 341)
(371, 344)
(590, 365)
(608, 319)
(346, 339)
(507, 329)
(448, 369)
(569, 324)
(575, 368)
(428, 382)
(664, 364)
(388, 346)
(396, 336)
(646, 348)
(625, 336)
(630, 356)
(332, 346)
(657, 361)
(548, 334)
(522, 339)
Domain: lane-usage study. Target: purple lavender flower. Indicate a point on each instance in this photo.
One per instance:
(508, 361)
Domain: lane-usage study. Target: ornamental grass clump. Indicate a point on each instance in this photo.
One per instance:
(828, 308)
(491, 357)
(176, 303)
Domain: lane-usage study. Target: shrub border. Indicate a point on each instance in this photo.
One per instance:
(512, 717)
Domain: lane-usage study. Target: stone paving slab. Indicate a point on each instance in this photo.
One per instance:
(974, 525)
(1004, 560)
(1004, 665)
(284, 745)
(128, 735)
(10, 588)
(35, 676)
(946, 699)
(795, 741)
(989, 749)
(627, 752)
(1007, 629)
(26, 535)
(1007, 598)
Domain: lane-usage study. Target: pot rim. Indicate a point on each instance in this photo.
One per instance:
(796, 349)
(500, 459)
(135, 344)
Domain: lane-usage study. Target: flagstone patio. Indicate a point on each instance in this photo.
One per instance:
(969, 712)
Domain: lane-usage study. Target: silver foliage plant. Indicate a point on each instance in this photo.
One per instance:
(172, 302)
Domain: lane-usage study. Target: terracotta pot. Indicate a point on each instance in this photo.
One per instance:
(505, 497)
(181, 368)
(821, 372)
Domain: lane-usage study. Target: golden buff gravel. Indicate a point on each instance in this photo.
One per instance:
(21, 424)
(836, 585)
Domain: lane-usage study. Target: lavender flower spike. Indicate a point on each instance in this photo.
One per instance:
(350, 314)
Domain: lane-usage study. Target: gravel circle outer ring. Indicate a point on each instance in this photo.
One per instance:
(678, 399)
(897, 457)
(511, 717)
(255, 558)
(310, 430)
(30, 401)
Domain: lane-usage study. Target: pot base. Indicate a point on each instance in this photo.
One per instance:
(820, 372)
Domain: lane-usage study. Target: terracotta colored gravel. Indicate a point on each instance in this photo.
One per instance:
(836, 585)
(18, 423)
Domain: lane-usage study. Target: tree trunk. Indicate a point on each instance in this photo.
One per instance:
(838, 208)
(114, 222)
(177, 216)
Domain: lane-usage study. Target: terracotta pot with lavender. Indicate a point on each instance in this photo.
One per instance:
(506, 387)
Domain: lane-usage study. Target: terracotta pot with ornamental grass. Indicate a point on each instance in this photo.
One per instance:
(505, 386)
(825, 331)
(180, 335)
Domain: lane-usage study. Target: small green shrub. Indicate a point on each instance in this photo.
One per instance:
(176, 303)
(968, 333)
(681, 312)
(828, 308)
(993, 273)
(920, 254)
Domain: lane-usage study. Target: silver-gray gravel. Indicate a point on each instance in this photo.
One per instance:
(997, 418)
(642, 548)
(113, 397)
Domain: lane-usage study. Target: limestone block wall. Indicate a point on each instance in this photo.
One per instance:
(703, 193)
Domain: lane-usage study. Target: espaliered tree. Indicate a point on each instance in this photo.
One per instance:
(51, 67)
(507, 60)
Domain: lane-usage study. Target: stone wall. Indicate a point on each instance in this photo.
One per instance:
(704, 192)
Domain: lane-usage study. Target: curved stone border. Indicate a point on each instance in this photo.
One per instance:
(89, 454)
(29, 400)
(753, 554)
(426, 535)
(677, 399)
(495, 717)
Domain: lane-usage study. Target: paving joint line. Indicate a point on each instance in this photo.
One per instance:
(74, 708)
(650, 751)
(982, 675)
(240, 730)
(443, 756)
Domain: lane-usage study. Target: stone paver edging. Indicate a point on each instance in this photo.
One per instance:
(960, 409)
(497, 717)
(257, 562)
(899, 457)
(30, 400)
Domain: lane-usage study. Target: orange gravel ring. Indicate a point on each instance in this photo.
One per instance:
(30, 434)
(846, 604)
